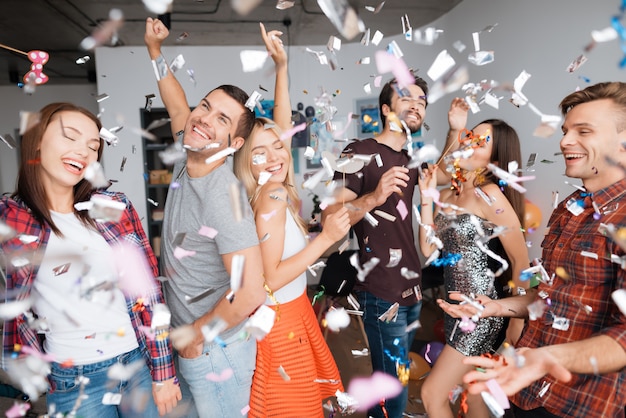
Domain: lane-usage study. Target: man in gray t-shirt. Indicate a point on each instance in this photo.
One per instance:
(201, 236)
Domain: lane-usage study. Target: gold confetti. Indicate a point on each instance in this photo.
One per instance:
(560, 271)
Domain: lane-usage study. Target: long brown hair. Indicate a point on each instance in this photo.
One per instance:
(29, 185)
(241, 168)
(504, 149)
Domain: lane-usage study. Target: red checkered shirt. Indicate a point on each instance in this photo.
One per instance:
(157, 351)
(574, 244)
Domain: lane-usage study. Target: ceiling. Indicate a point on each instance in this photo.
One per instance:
(59, 26)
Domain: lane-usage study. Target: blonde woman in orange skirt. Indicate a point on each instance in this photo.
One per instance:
(295, 370)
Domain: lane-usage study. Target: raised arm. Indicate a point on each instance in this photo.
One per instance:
(457, 120)
(171, 91)
(282, 102)
(270, 217)
(558, 360)
(427, 210)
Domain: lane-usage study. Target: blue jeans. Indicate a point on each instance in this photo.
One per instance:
(228, 396)
(136, 393)
(381, 336)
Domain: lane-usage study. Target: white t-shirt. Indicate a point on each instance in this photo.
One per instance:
(76, 294)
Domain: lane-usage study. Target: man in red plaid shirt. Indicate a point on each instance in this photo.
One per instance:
(571, 358)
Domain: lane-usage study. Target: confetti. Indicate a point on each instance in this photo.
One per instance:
(385, 215)
(94, 173)
(261, 322)
(493, 406)
(119, 371)
(336, 319)
(368, 392)
(386, 63)
(200, 296)
(283, 373)
(376, 9)
(8, 141)
(207, 231)
(221, 377)
(134, 274)
(378, 36)
(574, 65)
(619, 297)
(182, 253)
(284, 4)
(343, 17)
(105, 32)
(408, 274)
(252, 60)
(18, 409)
(390, 314)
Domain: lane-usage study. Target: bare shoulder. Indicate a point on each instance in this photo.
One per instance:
(270, 196)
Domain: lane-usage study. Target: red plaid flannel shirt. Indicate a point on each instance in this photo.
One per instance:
(157, 352)
(569, 244)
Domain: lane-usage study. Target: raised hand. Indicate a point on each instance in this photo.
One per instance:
(428, 179)
(392, 181)
(156, 33)
(274, 46)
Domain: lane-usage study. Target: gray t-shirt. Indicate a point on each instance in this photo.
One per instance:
(195, 208)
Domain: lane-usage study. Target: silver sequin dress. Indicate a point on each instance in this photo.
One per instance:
(468, 275)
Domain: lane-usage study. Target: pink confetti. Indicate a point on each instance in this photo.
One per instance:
(245, 410)
(30, 351)
(498, 393)
(268, 216)
(402, 210)
(147, 331)
(207, 231)
(467, 325)
(223, 376)
(426, 354)
(368, 391)
(17, 410)
(378, 80)
(135, 275)
(182, 253)
(432, 192)
(386, 62)
(291, 132)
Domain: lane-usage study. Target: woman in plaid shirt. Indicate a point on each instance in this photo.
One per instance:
(101, 352)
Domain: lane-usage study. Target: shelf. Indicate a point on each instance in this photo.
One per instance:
(158, 186)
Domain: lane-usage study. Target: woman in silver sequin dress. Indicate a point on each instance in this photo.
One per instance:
(466, 216)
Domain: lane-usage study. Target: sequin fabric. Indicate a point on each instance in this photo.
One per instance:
(469, 275)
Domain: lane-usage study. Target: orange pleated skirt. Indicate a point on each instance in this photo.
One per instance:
(295, 343)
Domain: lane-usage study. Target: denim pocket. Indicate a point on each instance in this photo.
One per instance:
(62, 384)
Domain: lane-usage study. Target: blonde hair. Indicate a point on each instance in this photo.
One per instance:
(243, 170)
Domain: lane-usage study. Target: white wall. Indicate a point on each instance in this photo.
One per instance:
(539, 36)
(14, 100)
